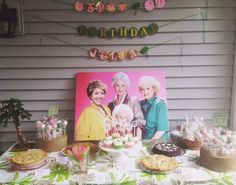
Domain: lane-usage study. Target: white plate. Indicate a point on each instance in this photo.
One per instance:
(150, 150)
(113, 150)
(63, 152)
(22, 168)
(151, 171)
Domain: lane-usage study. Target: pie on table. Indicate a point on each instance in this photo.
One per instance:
(159, 163)
(29, 159)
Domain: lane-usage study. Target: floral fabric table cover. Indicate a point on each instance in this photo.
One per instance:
(106, 170)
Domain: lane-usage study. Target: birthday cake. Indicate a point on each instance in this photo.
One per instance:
(219, 150)
(167, 148)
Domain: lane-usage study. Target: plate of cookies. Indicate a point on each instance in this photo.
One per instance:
(158, 164)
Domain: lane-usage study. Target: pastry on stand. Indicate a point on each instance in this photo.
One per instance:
(118, 147)
(119, 140)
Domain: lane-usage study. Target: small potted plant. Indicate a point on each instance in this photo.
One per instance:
(13, 110)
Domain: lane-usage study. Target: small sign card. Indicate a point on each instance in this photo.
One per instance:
(53, 110)
(220, 120)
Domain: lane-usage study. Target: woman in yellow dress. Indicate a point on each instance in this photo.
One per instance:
(93, 119)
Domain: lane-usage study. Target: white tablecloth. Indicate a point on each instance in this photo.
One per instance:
(108, 171)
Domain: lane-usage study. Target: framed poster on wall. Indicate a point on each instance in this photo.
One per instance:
(131, 80)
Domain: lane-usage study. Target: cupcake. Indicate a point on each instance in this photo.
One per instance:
(118, 144)
(124, 138)
(107, 143)
(129, 135)
(116, 135)
(108, 138)
(129, 144)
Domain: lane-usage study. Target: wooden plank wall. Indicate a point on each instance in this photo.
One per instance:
(39, 67)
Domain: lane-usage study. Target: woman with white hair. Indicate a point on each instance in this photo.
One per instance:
(121, 83)
(154, 109)
(122, 115)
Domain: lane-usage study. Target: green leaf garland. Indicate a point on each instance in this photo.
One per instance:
(27, 180)
(58, 172)
(144, 51)
(124, 180)
(159, 176)
(135, 6)
(4, 164)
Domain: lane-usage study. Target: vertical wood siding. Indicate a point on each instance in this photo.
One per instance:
(39, 68)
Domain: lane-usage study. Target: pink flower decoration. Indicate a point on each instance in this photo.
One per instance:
(160, 3)
(149, 5)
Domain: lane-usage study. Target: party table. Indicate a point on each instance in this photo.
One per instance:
(106, 170)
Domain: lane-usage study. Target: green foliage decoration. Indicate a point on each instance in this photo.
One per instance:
(27, 180)
(58, 172)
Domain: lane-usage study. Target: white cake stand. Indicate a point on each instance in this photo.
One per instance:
(119, 155)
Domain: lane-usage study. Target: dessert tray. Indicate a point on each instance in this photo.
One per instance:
(29, 160)
(149, 170)
(157, 164)
(181, 154)
(167, 148)
(120, 155)
(24, 168)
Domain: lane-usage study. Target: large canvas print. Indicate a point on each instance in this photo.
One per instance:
(102, 98)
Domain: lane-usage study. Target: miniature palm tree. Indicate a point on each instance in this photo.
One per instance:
(13, 109)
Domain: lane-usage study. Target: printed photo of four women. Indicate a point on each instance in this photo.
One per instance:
(121, 102)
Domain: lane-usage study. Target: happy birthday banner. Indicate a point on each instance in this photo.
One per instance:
(123, 32)
(113, 55)
(114, 32)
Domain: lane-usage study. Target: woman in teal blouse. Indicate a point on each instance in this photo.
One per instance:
(154, 109)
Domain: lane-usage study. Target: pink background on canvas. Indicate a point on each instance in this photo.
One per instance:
(83, 78)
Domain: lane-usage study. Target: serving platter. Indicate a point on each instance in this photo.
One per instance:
(150, 150)
(151, 171)
(25, 168)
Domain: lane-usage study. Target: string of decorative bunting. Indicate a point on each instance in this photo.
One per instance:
(113, 55)
(122, 55)
(121, 32)
(100, 7)
(111, 7)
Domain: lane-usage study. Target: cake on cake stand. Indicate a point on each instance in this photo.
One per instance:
(120, 156)
(121, 134)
